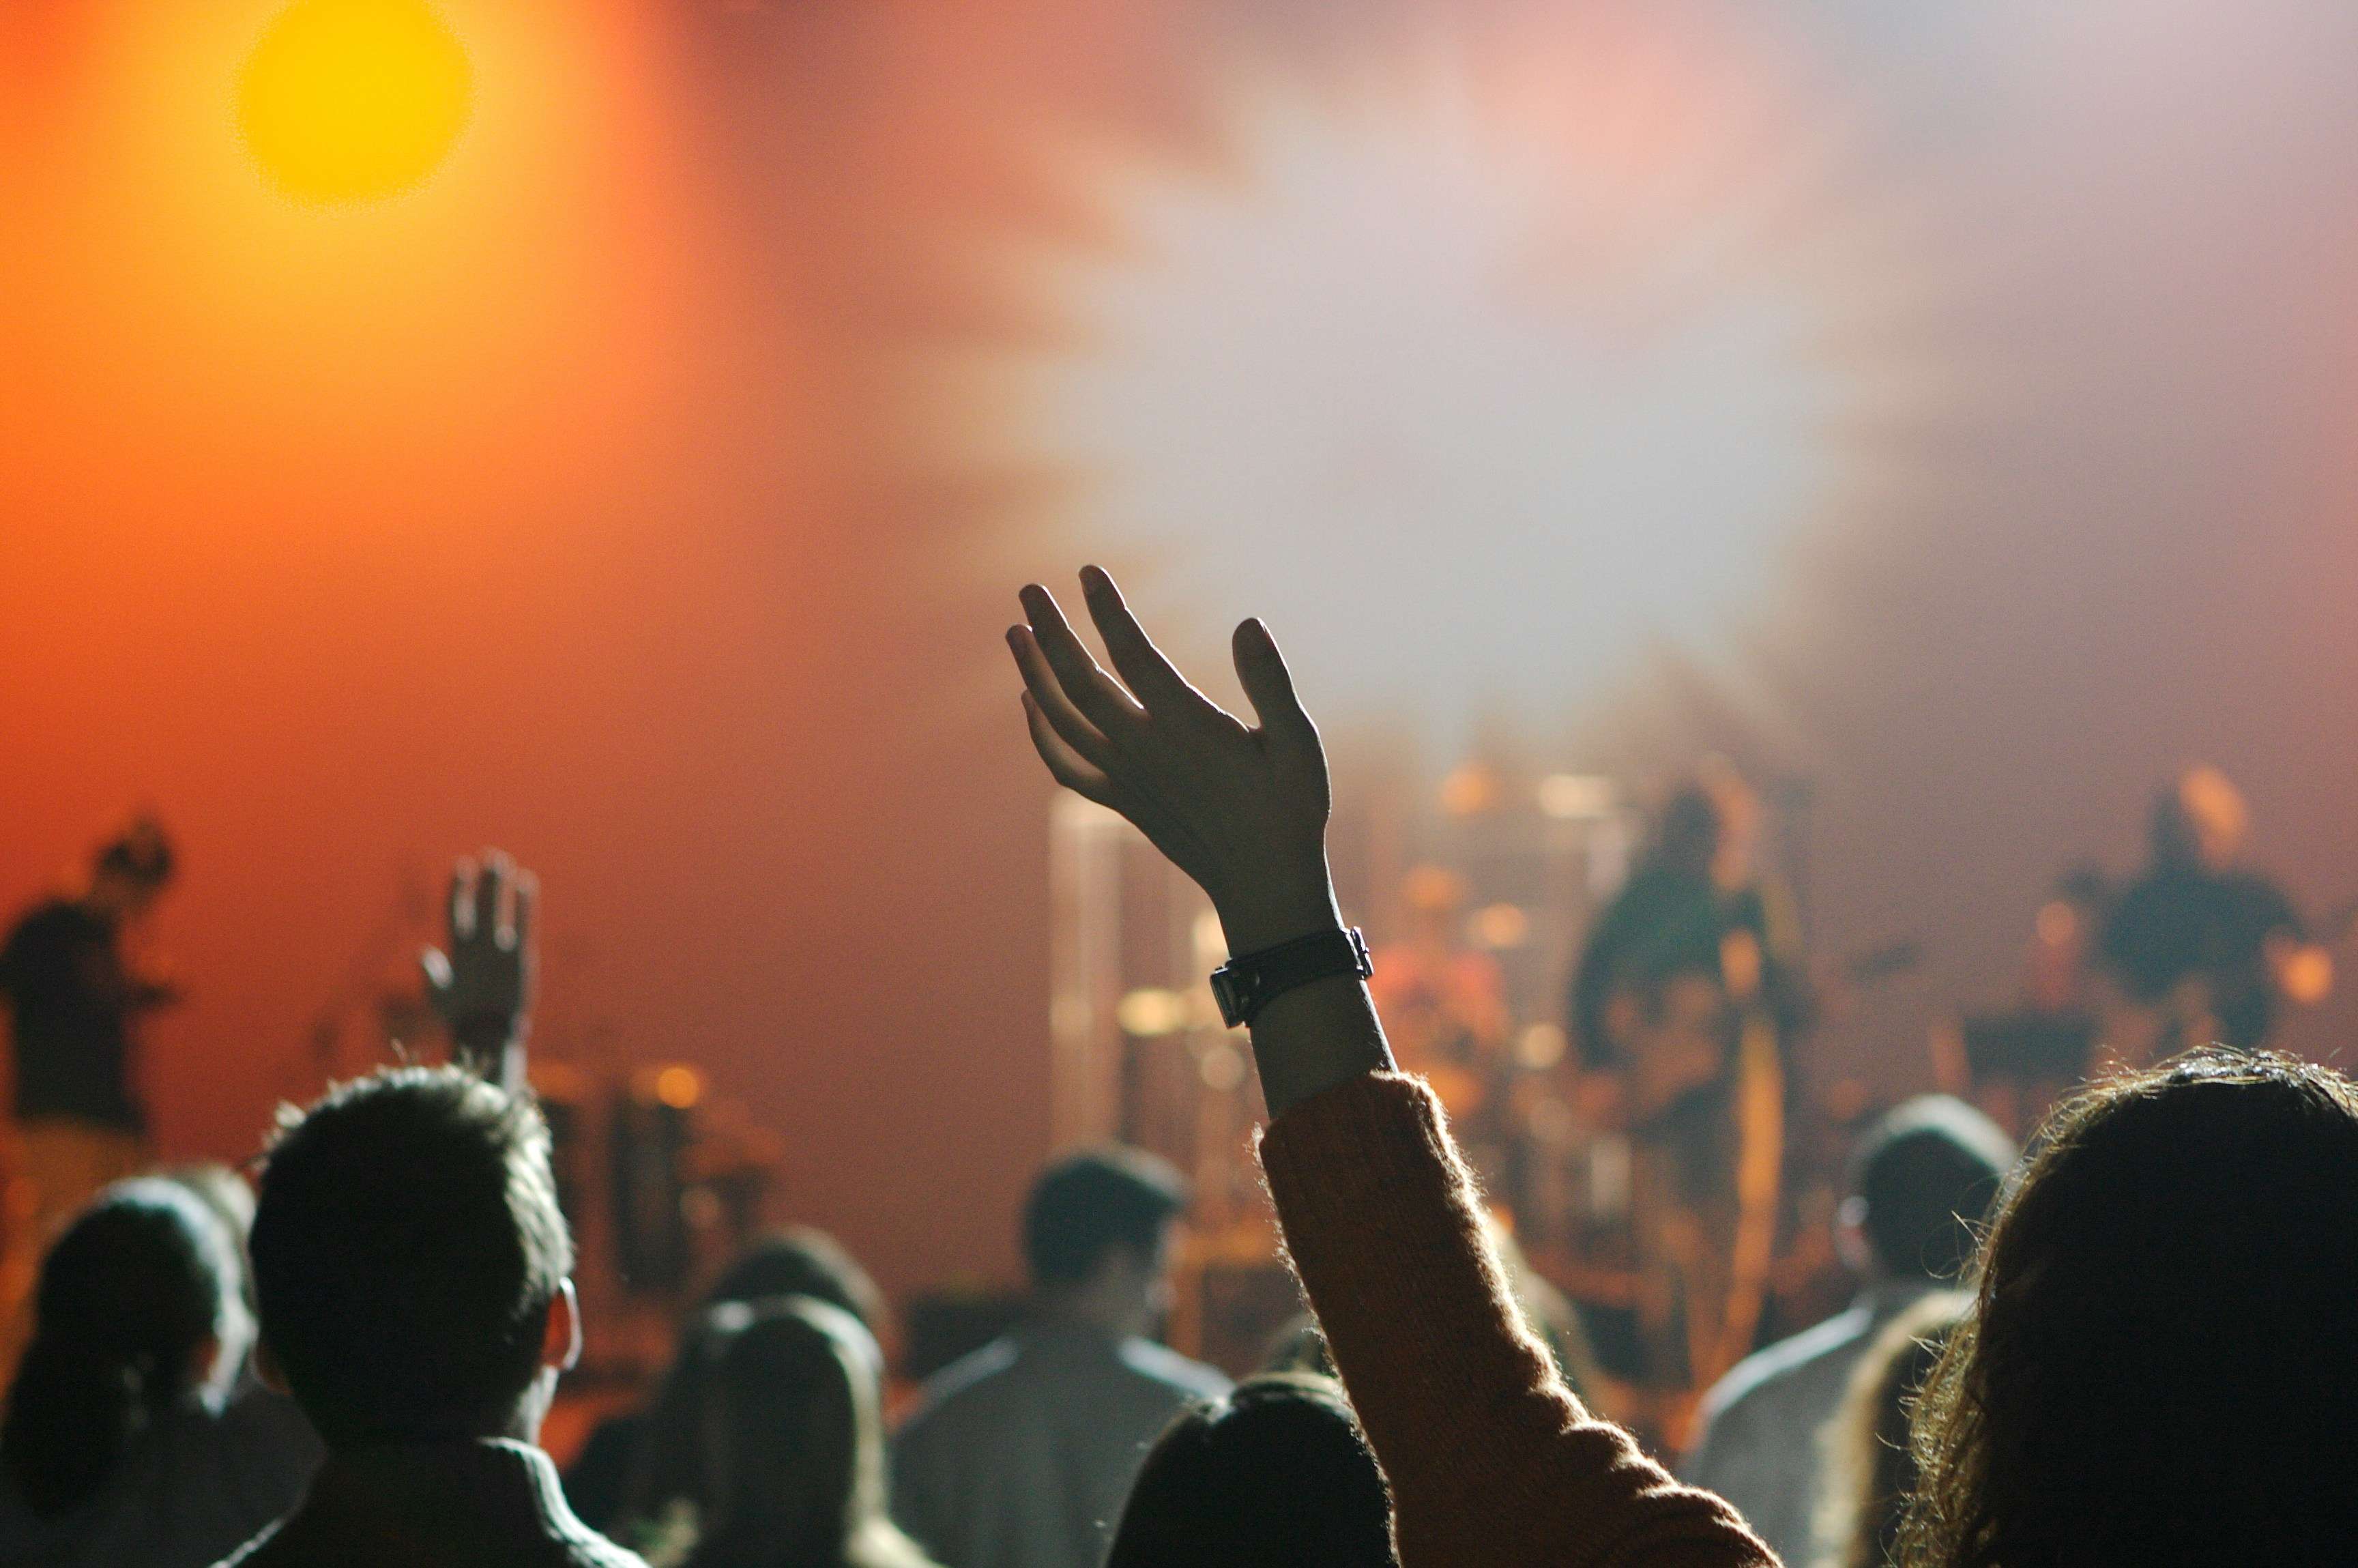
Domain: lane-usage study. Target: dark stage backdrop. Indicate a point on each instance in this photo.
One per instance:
(592, 500)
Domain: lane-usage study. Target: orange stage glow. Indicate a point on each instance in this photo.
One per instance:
(354, 100)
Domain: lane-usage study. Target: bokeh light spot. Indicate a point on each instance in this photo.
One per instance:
(354, 100)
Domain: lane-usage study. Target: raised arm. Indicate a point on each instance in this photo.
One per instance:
(481, 986)
(1242, 811)
(1491, 1459)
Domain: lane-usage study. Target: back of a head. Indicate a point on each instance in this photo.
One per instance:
(127, 1296)
(406, 1246)
(791, 1440)
(2162, 1365)
(1275, 1475)
(1086, 1204)
(801, 1261)
(1928, 1173)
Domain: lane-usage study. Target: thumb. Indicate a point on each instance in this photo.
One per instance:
(436, 966)
(1269, 686)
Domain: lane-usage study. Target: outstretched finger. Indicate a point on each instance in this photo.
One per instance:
(1096, 693)
(1047, 694)
(1065, 765)
(490, 897)
(523, 900)
(1260, 670)
(1093, 784)
(1155, 678)
(464, 875)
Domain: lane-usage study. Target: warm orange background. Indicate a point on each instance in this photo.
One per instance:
(505, 513)
(564, 504)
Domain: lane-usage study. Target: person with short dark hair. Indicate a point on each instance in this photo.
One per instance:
(1021, 1454)
(1100, 1203)
(114, 1450)
(413, 1273)
(1921, 1179)
(1275, 1475)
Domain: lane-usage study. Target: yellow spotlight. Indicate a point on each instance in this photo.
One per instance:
(1470, 789)
(679, 1086)
(354, 99)
(1577, 796)
(1149, 1012)
(1540, 1046)
(2306, 975)
(1499, 926)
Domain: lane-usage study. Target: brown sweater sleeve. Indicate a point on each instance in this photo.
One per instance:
(1491, 1459)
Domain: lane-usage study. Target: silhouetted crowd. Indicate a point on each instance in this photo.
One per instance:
(2136, 1344)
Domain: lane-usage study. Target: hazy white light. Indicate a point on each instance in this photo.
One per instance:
(1477, 394)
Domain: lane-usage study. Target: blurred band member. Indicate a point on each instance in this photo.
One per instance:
(2198, 947)
(1687, 998)
(74, 1003)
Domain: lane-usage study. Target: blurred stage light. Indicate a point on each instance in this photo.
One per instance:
(1498, 928)
(1484, 373)
(354, 99)
(1578, 797)
(1151, 1012)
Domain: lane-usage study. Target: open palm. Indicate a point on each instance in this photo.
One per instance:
(1240, 809)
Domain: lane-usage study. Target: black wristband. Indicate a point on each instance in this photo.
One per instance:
(1244, 986)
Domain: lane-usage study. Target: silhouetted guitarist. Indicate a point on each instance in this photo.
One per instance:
(2198, 948)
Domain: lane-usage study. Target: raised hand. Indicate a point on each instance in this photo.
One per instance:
(481, 987)
(1241, 810)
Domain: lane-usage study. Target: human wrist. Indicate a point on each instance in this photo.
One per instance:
(1315, 1036)
(486, 1030)
(1278, 911)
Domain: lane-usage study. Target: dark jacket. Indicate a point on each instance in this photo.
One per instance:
(488, 1504)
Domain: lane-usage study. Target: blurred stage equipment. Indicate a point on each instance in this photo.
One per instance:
(653, 1128)
(1478, 891)
(1140, 1057)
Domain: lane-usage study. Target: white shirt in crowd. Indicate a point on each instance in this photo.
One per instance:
(1022, 1454)
(1758, 1443)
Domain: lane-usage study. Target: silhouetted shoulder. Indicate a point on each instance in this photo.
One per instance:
(1783, 1358)
(962, 1375)
(1166, 1365)
(254, 1554)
